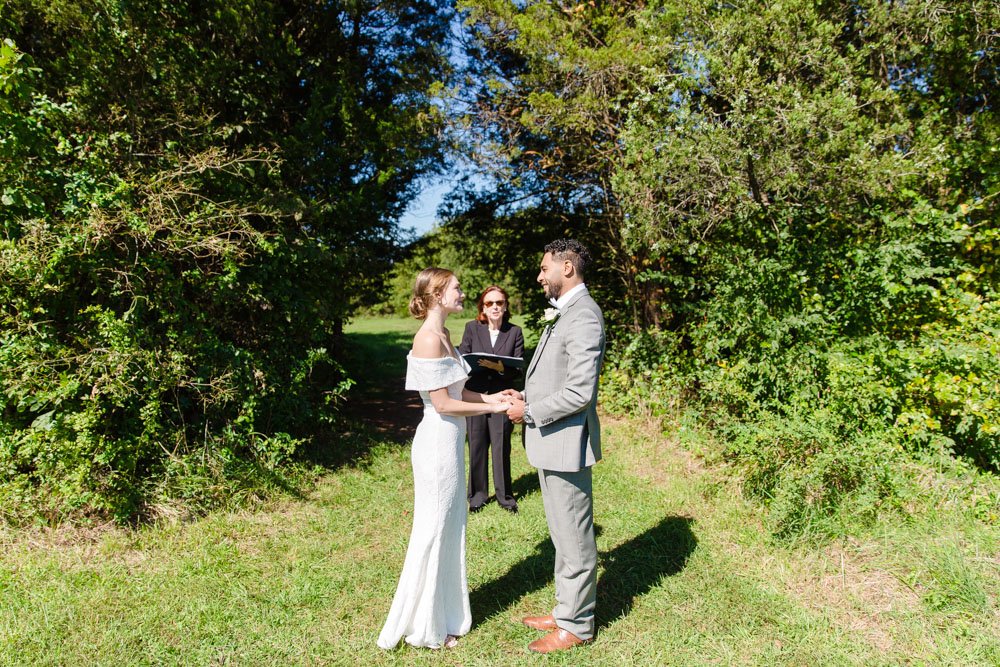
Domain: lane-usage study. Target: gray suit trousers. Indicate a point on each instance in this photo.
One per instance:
(569, 510)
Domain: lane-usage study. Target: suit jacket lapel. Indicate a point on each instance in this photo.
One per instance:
(548, 330)
(501, 339)
(538, 350)
(483, 332)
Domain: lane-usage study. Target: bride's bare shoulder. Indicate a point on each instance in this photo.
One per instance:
(427, 345)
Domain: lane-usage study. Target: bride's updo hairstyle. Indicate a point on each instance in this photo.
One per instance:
(430, 283)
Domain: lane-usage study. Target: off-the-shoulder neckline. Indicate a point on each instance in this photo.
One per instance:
(447, 356)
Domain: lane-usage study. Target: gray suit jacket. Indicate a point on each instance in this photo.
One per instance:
(561, 388)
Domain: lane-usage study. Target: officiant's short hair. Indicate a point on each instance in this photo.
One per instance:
(480, 315)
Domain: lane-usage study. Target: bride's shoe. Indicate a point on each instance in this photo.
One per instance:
(451, 641)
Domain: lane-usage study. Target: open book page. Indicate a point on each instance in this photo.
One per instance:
(473, 358)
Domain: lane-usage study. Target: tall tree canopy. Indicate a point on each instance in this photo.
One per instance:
(797, 207)
(194, 197)
(664, 122)
(793, 206)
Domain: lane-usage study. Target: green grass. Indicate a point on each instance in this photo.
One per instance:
(378, 350)
(689, 576)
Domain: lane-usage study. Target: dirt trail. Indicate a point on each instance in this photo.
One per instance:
(391, 411)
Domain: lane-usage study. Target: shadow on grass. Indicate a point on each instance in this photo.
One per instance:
(524, 485)
(529, 575)
(631, 569)
(376, 361)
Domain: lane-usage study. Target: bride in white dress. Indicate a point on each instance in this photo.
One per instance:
(431, 605)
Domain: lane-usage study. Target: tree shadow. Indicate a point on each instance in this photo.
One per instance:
(377, 409)
(379, 402)
(631, 569)
(530, 574)
(376, 361)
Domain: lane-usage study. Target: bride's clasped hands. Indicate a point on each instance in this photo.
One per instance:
(498, 402)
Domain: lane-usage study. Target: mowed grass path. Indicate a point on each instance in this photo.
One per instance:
(688, 575)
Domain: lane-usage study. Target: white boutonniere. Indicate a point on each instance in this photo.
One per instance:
(550, 316)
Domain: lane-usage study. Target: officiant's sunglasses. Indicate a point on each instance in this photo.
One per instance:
(499, 302)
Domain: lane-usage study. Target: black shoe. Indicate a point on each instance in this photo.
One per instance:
(476, 508)
(510, 508)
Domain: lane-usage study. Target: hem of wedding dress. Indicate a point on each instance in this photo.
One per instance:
(419, 644)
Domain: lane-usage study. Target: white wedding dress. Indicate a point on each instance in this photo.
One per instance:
(432, 598)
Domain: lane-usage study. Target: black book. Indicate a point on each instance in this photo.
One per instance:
(473, 358)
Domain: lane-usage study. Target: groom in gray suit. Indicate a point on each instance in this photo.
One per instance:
(563, 440)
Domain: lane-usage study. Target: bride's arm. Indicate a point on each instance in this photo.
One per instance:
(475, 397)
(446, 405)
(428, 346)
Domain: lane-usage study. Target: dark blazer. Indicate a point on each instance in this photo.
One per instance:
(510, 343)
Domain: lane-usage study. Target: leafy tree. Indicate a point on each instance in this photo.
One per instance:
(195, 196)
(544, 112)
(784, 191)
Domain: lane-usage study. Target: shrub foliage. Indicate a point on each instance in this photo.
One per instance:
(796, 207)
(194, 198)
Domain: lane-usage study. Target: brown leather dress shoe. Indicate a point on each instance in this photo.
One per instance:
(557, 640)
(540, 622)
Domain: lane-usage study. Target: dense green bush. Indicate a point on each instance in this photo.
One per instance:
(648, 375)
(818, 474)
(138, 334)
(194, 199)
(796, 211)
(822, 382)
(952, 395)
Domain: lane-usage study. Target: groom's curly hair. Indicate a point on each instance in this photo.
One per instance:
(572, 250)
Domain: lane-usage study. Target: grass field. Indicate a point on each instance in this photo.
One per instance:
(688, 574)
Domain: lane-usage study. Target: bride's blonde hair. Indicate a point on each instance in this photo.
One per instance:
(431, 282)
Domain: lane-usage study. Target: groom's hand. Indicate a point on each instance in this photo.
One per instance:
(513, 393)
(516, 411)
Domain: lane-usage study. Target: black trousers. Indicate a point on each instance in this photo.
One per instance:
(489, 433)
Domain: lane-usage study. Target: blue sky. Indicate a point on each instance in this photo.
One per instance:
(422, 211)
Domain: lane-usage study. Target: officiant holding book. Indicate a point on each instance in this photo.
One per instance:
(491, 333)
